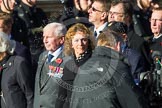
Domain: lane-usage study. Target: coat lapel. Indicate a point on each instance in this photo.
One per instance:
(42, 61)
(55, 64)
(106, 27)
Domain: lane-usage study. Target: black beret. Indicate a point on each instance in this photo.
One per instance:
(119, 27)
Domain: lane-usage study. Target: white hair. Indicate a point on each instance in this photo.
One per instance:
(58, 28)
(6, 45)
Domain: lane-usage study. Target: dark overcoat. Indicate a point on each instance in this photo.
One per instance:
(104, 81)
(17, 83)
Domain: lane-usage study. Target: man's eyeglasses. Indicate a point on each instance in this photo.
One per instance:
(115, 13)
(94, 9)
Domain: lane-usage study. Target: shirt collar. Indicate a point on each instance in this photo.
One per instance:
(10, 36)
(56, 53)
(101, 28)
(156, 37)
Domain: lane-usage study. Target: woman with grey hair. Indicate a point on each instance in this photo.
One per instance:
(16, 77)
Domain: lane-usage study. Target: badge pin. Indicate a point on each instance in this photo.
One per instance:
(100, 69)
(50, 74)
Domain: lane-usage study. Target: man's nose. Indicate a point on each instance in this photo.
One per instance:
(111, 14)
(111, 18)
(90, 10)
(154, 22)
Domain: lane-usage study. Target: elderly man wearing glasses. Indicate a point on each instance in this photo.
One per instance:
(156, 28)
(98, 14)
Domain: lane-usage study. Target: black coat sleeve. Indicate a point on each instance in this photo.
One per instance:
(62, 94)
(25, 80)
(65, 89)
(129, 95)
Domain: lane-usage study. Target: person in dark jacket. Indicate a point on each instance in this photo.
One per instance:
(155, 41)
(77, 13)
(135, 59)
(122, 11)
(28, 22)
(156, 27)
(17, 82)
(26, 18)
(104, 81)
(6, 22)
(79, 44)
(141, 17)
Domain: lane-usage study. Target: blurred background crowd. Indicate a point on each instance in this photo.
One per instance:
(44, 44)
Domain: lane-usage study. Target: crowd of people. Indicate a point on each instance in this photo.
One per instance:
(92, 56)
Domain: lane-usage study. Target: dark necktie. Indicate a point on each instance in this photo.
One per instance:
(95, 34)
(44, 75)
(50, 56)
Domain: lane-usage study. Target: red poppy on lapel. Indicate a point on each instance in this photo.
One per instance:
(58, 60)
(1, 68)
(52, 68)
(160, 43)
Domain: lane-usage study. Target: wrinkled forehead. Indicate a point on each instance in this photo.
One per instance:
(97, 5)
(157, 13)
(80, 34)
(7, 2)
(31, 0)
(117, 8)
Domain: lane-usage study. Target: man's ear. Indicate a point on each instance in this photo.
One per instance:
(127, 19)
(117, 48)
(124, 36)
(62, 39)
(104, 15)
(76, 3)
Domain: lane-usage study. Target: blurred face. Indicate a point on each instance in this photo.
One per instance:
(79, 43)
(154, 4)
(52, 42)
(29, 2)
(7, 5)
(96, 13)
(6, 29)
(84, 4)
(1, 25)
(116, 13)
(33, 1)
(0, 2)
(156, 22)
(145, 3)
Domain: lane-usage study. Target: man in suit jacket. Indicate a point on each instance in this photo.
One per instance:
(155, 41)
(156, 28)
(98, 15)
(50, 66)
